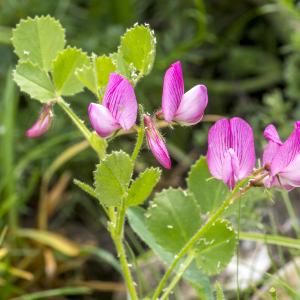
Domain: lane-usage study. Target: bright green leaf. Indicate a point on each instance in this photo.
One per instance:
(138, 48)
(64, 67)
(95, 75)
(34, 81)
(104, 66)
(122, 67)
(112, 178)
(87, 76)
(143, 186)
(38, 40)
(173, 218)
(219, 291)
(138, 222)
(216, 248)
(209, 192)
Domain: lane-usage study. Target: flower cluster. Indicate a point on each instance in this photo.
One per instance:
(231, 152)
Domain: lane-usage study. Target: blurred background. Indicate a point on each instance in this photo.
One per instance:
(246, 52)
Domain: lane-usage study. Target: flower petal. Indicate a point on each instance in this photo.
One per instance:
(42, 124)
(219, 138)
(120, 100)
(156, 143)
(286, 152)
(271, 134)
(291, 174)
(230, 168)
(238, 135)
(192, 105)
(102, 120)
(242, 142)
(173, 89)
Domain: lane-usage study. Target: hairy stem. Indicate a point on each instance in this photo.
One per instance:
(238, 191)
(76, 120)
(118, 235)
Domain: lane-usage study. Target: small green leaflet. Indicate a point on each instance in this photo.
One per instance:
(34, 81)
(216, 248)
(143, 186)
(112, 178)
(95, 75)
(209, 192)
(138, 48)
(38, 40)
(173, 218)
(64, 67)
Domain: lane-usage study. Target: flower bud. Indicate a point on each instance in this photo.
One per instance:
(156, 143)
(42, 124)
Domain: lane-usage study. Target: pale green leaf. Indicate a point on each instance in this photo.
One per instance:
(219, 291)
(34, 81)
(87, 77)
(138, 48)
(85, 187)
(138, 222)
(209, 192)
(173, 218)
(64, 67)
(38, 40)
(112, 178)
(122, 67)
(216, 248)
(104, 66)
(143, 186)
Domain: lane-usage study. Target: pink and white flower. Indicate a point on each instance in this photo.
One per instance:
(118, 110)
(231, 153)
(184, 108)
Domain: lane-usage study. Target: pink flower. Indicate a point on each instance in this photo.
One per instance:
(118, 110)
(282, 159)
(231, 153)
(185, 108)
(42, 124)
(156, 143)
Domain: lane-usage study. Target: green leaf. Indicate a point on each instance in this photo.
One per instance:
(138, 48)
(209, 192)
(122, 67)
(95, 75)
(104, 66)
(64, 67)
(112, 178)
(143, 186)
(173, 218)
(85, 187)
(34, 81)
(87, 77)
(216, 248)
(38, 40)
(138, 222)
(219, 291)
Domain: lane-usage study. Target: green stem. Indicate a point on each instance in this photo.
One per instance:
(235, 194)
(179, 274)
(117, 235)
(271, 239)
(140, 135)
(291, 212)
(76, 120)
